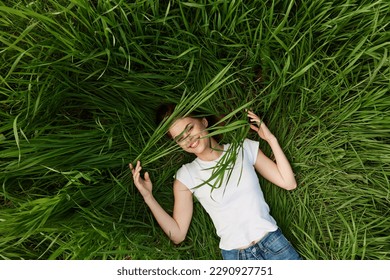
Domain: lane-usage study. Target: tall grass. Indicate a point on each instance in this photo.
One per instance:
(79, 84)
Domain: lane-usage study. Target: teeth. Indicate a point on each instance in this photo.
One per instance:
(194, 144)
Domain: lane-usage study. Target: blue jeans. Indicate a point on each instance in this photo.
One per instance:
(273, 246)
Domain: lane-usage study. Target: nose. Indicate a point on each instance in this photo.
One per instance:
(188, 138)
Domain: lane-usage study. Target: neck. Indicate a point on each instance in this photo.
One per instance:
(213, 151)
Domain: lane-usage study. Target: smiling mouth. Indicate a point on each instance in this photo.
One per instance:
(194, 144)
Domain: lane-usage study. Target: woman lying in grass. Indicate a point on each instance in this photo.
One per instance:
(237, 208)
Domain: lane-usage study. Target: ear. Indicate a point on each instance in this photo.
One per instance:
(205, 122)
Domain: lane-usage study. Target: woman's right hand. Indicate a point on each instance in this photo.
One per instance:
(143, 185)
(175, 226)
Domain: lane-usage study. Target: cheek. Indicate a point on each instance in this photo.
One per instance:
(203, 144)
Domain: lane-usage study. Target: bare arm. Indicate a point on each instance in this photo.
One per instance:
(175, 227)
(279, 172)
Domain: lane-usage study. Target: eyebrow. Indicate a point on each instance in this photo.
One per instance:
(178, 137)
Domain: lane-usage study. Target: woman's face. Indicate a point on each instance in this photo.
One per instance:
(189, 133)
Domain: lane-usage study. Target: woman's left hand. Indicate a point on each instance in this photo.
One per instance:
(261, 129)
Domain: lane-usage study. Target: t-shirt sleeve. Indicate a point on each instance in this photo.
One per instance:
(184, 176)
(252, 149)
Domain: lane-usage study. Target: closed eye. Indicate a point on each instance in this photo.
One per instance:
(188, 129)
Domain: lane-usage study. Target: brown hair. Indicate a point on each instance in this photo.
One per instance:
(166, 110)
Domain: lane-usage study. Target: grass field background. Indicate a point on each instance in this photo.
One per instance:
(79, 84)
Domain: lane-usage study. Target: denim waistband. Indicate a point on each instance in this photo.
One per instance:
(261, 240)
(272, 246)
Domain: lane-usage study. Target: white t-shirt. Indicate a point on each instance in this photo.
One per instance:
(237, 208)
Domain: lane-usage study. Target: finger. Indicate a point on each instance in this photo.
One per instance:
(137, 180)
(135, 177)
(254, 117)
(254, 120)
(147, 177)
(251, 113)
(254, 127)
(138, 167)
(257, 119)
(254, 123)
(132, 168)
(136, 172)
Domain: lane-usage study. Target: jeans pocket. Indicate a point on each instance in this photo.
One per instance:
(277, 247)
(278, 244)
(230, 254)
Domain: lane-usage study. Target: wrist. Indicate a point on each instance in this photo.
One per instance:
(149, 199)
(271, 139)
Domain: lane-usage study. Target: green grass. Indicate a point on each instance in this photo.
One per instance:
(79, 84)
